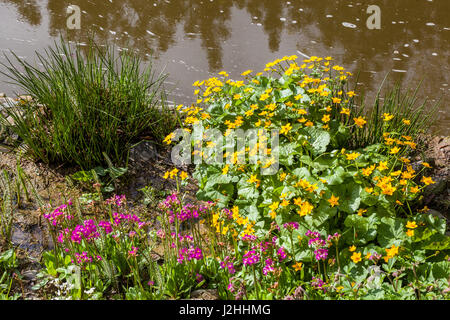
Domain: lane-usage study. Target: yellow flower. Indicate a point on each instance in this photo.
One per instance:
(368, 171)
(274, 205)
(382, 165)
(169, 138)
(305, 208)
(298, 97)
(326, 118)
(387, 117)
(410, 233)
(368, 190)
(427, 180)
(298, 266)
(336, 100)
(396, 173)
(345, 111)
(352, 248)
(351, 94)
(333, 201)
(183, 175)
(411, 225)
(360, 122)
(391, 252)
(361, 211)
(426, 164)
(394, 150)
(166, 175)
(407, 122)
(352, 156)
(225, 169)
(356, 257)
(253, 179)
(246, 72)
(264, 97)
(285, 129)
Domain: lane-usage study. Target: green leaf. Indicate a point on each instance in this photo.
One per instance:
(336, 176)
(390, 231)
(319, 139)
(349, 196)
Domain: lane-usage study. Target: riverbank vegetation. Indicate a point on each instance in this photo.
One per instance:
(342, 217)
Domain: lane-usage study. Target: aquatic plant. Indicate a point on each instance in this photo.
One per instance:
(86, 103)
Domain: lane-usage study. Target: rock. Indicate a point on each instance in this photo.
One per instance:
(2, 95)
(29, 275)
(205, 294)
(142, 154)
(439, 151)
(26, 98)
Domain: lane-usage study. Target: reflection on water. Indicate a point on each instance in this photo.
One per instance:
(195, 38)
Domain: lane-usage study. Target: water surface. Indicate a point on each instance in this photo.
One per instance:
(194, 39)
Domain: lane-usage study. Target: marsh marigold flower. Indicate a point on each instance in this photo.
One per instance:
(356, 257)
(411, 225)
(360, 122)
(427, 180)
(333, 201)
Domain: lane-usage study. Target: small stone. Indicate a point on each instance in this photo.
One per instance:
(29, 275)
(26, 98)
(205, 294)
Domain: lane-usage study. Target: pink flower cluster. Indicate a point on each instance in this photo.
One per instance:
(281, 254)
(249, 237)
(84, 258)
(185, 254)
(319, 244)
(59, 214)
(268, 266)
(291, 225)
(171, 201)
(318, 283)
(334, 237)
(133, 252)
(117, 200)
(250, 258)
(189, 211)
(87, 231)
(131, 218)
(228, 265)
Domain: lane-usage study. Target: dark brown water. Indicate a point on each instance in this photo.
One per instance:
(193, 39)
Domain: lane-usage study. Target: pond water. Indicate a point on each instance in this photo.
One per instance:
(193, 39)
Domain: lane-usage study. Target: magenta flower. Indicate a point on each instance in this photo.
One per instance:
(291, 225)
(117, 200)
(106, 226)
(198, 277)
(229, 265)
(321, 254)
(133, 252)
(185, 254)
(268, 267)
(83, 258)
(318, 283)
(250, 258)
(281, 254)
